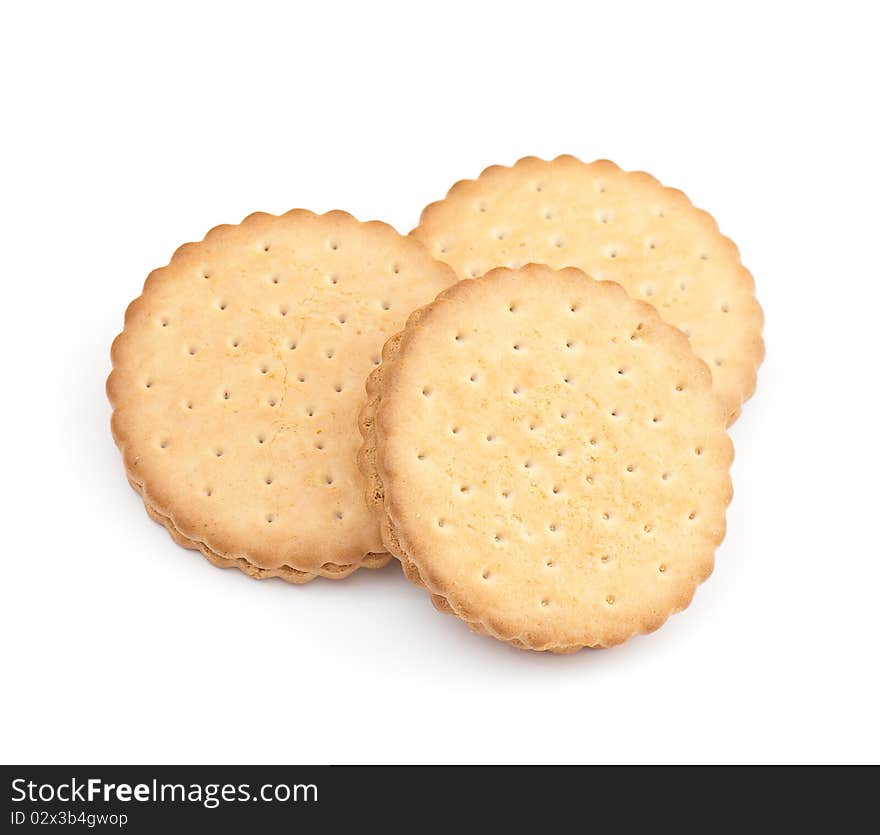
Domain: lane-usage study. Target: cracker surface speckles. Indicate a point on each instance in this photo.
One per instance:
(615, 225)
(547, 457)
(237, 381)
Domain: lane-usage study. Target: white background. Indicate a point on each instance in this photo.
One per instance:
(130, 129)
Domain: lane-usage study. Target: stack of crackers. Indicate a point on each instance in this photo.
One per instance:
(525, 401)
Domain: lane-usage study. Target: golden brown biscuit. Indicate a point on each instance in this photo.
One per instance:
(616, 225)
(237, 381)
(547, 458)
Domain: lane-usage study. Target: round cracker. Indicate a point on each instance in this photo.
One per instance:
(548, 459)
(237, 381)
(616, 225)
